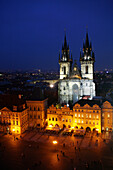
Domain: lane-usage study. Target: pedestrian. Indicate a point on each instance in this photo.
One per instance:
(40, 162)
(63, 144)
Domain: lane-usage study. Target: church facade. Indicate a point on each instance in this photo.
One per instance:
(75, 84)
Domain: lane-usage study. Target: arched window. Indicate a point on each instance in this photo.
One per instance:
(86, 69)
(64, 70)
(38, 109)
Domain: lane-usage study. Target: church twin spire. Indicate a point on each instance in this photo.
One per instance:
(65, 57)
(87, 53)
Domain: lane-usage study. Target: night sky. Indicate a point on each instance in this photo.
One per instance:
(32, 32)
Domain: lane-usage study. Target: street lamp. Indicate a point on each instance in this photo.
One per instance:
(14, 133)
(55, 143)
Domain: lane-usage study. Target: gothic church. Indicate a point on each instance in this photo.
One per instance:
(75, 84)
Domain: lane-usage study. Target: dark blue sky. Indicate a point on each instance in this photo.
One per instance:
(32, 31)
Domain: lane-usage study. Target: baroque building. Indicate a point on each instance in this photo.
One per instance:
(75, 84)
(18, 115)
(91, 114)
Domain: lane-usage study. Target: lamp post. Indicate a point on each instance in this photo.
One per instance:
(55, 143)
(14, 133)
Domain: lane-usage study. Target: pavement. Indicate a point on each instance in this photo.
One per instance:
(35, 150)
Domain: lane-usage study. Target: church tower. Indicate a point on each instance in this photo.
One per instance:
(65, 61)
(87, 60)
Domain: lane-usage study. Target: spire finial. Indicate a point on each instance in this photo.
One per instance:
(86, 28)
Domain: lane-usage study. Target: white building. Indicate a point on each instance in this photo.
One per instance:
(75, 84)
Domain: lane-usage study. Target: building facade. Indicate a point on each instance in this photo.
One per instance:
(85, 114)
(13, 116)
(36, 112)
(73, 83)
(17, 116)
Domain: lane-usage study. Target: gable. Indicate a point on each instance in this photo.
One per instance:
(5, 109)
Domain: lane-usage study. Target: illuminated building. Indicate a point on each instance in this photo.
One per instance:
(36, 112)
(13, 114)
(73, 83)
(90, 114)
(17, 115)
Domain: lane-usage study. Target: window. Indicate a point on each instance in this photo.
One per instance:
(69, 120)
(75, 115)
(16, 122)
(78, 120)
(52, 118)
(75, 120)
(16, 115)
(108, 121)
(93, 116)
(102, 114)
(56, 119)
(93, 111)
(86, 69)
(49, 119)
(86, 122)
(0, 113)
(13, 122)
(34, 116)
(64, 70)
(89, 115)
(78, 115)
(86, 115)
(30, 116)
(66, 120)
(82, 121)
(82, 115)
(108, 115)
(89, 122)
(38, 109)
(62, 120)
(97, 116)
(34, 108)
(93, 123)
(38, 116)
(97, 123)
(30, 108)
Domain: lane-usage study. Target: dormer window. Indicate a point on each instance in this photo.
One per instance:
(14, 108)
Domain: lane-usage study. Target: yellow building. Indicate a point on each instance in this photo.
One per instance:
(13, 115)
(107, 116)
(16, 115)
(37, 112)
(60, 117)
(85, 114)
